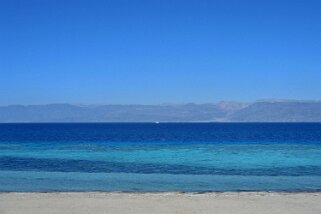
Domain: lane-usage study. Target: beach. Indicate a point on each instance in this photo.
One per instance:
(172, 202)
(160, 168)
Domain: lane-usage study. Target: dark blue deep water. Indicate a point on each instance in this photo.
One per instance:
(161, 157)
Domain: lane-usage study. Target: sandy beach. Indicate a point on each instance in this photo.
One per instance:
(140, 203)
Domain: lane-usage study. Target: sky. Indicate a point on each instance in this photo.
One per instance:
(159, 51)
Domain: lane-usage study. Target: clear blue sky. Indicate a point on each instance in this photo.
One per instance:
(158, 51)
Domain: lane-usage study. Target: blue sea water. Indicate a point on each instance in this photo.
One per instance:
(196, 157)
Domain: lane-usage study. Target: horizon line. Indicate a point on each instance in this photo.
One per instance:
(167, 103)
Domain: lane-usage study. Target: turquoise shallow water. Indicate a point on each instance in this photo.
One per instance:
(160, 157)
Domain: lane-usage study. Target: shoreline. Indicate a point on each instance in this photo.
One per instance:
(167, 193)
(170, 192)
(160, 202)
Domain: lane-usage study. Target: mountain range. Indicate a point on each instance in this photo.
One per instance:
(259, 111)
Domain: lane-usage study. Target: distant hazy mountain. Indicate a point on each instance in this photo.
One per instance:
(279, 111)
(261, 111)
(111, 113)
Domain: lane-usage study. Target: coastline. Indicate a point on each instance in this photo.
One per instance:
(160, 202)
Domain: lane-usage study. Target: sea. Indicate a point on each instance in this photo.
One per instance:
(160, 157)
